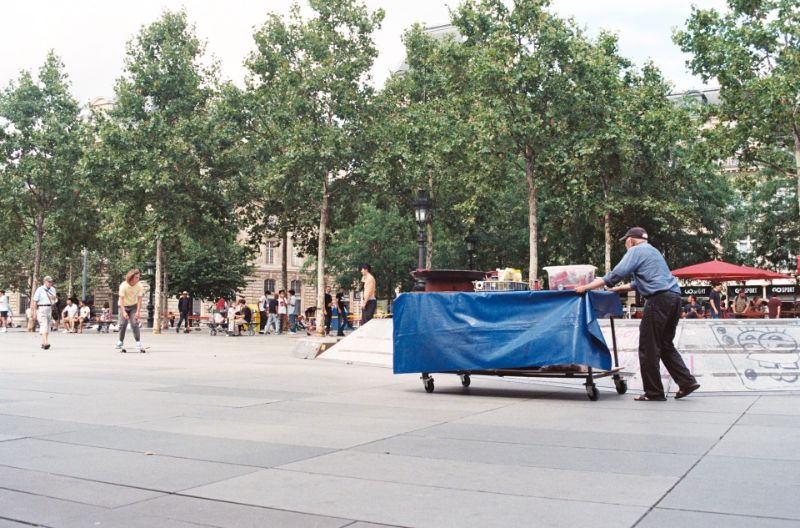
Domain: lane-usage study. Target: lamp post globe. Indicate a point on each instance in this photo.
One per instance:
(150, 266)
(471, 242)
(422, 210)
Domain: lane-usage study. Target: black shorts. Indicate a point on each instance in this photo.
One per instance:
(3, 314)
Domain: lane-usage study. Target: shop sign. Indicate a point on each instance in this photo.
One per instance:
(733, 291)
(697, 291)
(782, 289)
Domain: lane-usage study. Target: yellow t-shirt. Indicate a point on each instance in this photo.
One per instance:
(130, 294)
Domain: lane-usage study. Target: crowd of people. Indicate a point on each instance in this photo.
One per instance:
(717, 307)
(277, 312)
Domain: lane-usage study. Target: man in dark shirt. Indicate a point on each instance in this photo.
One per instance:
(272, 309)
(328, 309)
(693, 310)
(184, 308)
(340, 307)
(244, 315)
(715, 301)
(662, 311)
(774, 307)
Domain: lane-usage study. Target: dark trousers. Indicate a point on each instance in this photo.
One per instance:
(342, 322)
(369, 311)
(328, 319)
(185, 319)
(262, 321)
(656, 333)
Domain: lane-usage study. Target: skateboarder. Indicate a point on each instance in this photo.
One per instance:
(130, 304)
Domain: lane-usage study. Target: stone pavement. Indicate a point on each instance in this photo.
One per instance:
(236, 432)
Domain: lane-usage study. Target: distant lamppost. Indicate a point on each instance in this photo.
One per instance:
(472, 246)
(422, 209)
(151, 272)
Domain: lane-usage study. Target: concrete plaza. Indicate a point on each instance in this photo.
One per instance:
(237, 432)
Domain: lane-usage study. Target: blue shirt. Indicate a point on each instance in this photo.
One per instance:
(650, 272)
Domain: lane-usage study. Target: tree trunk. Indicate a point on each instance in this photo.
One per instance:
(429, 228)
(323, 227)
(165, 286)
(69, 279)
(797, 167)
(607, 225)
(157, 293)
(37, 264)
(533, 224)
(285, 261)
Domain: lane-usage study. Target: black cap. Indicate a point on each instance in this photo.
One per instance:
(635, 232)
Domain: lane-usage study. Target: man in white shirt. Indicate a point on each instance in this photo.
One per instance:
(84, 314)
(69, 316)
(42, 305)
(4, 309)
(293, 311)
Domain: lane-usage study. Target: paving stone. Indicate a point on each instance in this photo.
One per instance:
(770, 420)
(71, 489)
(610, 488)
(242, 452)
(23, 426)
(256, 394)
(118, 467)
(760, 442)
(274, 432)
(664, 518)
(120, 519)
(227, 515)
(36, 509)
(408, 505)
(739, 486)
(580, 459)
(689, 445)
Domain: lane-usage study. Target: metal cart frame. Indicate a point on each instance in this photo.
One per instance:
(540, 372)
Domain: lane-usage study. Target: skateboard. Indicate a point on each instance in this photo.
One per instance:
(141, 350)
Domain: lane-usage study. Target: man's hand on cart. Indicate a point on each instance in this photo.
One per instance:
(597, 283)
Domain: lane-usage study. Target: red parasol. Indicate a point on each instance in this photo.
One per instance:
(716, 270)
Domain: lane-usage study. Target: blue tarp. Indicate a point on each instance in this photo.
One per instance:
(455, 331)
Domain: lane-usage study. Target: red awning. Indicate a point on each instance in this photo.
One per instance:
(716, 270)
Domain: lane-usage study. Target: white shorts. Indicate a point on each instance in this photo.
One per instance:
(44, 314)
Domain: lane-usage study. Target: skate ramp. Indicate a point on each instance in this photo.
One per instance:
(371, 344)
(724, 354)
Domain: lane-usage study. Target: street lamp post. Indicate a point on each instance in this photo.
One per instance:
(472, 246)
(422, 209)
(151, 272)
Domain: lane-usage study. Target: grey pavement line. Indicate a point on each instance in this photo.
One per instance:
(23, 523)
(472, 490)
(746, 516)
(164, 455)
(699, 459)
(507, 442)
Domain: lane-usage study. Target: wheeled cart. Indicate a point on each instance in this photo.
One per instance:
(539, 334)
(589, 374)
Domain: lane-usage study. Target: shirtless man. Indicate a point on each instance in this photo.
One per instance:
(368, 299)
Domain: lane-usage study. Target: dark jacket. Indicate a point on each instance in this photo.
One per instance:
(185, 305)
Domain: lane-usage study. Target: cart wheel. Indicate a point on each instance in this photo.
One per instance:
(465, 380)
(592, 392)
(621, 385)
(428, 384)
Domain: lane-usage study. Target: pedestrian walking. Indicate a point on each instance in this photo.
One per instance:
(368, 300)
(272, 309)
(184, 309)
(283, 310)
(263, 304)
(342, 310)
(662, 311)
(328, 310)
(292, 309)
(130, 305)
(42, 308)
(5, 307)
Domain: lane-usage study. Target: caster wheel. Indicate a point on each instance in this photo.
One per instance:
(428, 384)
(465, 380)
(621, 385)
(592, 392)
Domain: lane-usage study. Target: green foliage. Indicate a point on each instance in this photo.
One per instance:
(752, 52)
(210, 271)
(43, 195)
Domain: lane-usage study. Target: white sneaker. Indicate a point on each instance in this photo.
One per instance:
(138, 345)
(118, 345)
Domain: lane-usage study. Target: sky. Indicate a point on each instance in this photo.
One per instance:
(90, 35)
